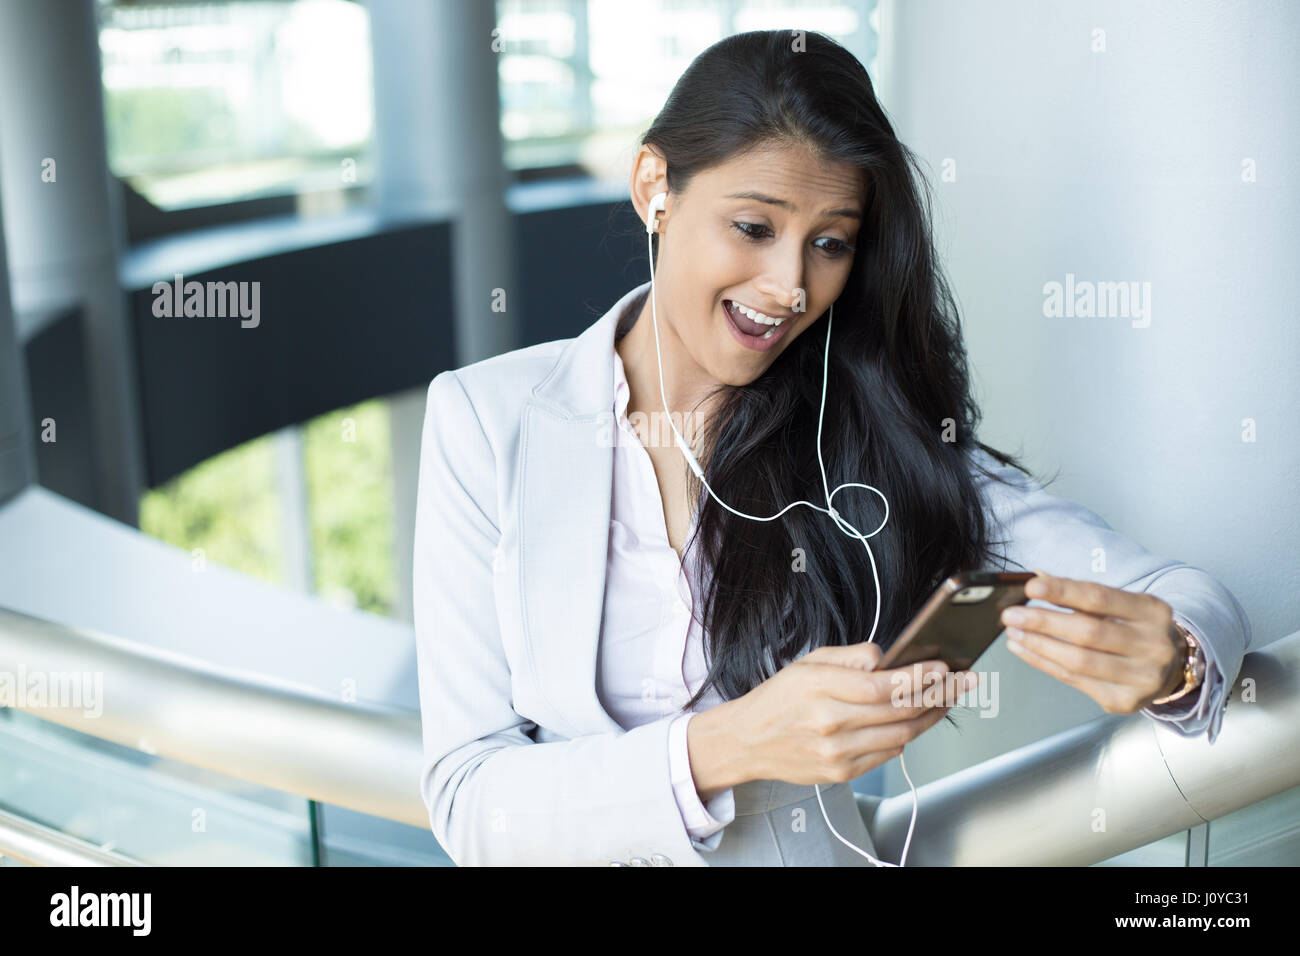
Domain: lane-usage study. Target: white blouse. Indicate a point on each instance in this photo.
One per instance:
(651, 656)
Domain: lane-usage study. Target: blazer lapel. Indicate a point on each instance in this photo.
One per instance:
(565, 496)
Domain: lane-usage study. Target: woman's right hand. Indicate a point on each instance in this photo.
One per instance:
(826, 718)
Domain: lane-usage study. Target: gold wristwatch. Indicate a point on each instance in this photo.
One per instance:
(1193, 668)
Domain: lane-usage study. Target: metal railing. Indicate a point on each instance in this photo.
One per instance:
(265, 731)
(1040, 804)
(1108, 786)
(36, 845)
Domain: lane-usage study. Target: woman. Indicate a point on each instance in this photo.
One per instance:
(615, 667)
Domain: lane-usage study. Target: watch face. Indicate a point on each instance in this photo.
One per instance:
(1198, 666)
(1194, 669)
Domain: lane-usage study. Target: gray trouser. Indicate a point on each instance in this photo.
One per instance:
(781, 824)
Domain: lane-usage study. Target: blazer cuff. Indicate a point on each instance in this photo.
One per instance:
(1202, 709)
(703, 823)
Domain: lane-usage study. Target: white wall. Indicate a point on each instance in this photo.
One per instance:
(1120, 165)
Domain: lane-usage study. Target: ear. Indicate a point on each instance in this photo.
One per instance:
(649, 176)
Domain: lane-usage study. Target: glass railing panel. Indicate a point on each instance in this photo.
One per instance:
(359, 839)
(166, 812)
(153, 809)
(1266, 833)
(1169, 851)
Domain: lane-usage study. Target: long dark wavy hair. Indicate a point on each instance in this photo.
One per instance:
(899, 412)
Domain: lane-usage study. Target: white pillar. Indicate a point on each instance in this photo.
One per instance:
(62, 218)
(295, 520)
(17, 454)
(438, 151)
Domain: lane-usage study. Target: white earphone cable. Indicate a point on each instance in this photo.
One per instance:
(829, 509)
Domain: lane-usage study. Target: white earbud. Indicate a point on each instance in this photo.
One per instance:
(657, 202)
(656, 206)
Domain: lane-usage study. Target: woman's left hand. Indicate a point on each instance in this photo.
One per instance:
(1119, 647)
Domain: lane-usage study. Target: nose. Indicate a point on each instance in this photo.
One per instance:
(783, 280)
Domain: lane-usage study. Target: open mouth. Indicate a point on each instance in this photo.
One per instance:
(752, 334)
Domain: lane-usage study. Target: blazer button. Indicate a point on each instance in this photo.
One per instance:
(658, 859)
(638, 861)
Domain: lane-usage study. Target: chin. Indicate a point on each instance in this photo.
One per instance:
(744, 376)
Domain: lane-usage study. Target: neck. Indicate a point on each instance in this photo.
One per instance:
(685, 384)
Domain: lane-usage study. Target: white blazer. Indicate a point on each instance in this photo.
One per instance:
(522, 763)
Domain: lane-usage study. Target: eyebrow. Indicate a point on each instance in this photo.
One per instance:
(851, 213)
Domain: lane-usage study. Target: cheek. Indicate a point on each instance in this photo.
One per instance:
(727, 258)
(827, 284)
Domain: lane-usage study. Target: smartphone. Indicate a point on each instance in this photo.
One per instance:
(960, 621)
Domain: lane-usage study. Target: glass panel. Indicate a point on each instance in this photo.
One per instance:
(1170, 851)
(212, 102)
(348, 463)
(1266, 833)
(226, 509)
(152, 809)
(580, 79)
(358, 839)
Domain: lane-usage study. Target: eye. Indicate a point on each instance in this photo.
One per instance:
(753, 232)
(744, 229)
(841, 248)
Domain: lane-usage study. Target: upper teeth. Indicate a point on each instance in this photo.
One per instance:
(756, 316)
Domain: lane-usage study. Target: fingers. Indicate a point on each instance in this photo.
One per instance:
(890, 736)
(872, 760)
(844, 756)
(928, 683)
(831, 715)
(865, 655)
(1090, 596)
(1077, 627)
(1080, 661)
(1114, 698)
(852, 686)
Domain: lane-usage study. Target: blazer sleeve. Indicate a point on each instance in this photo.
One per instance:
(1066, 539)
(496, 796)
